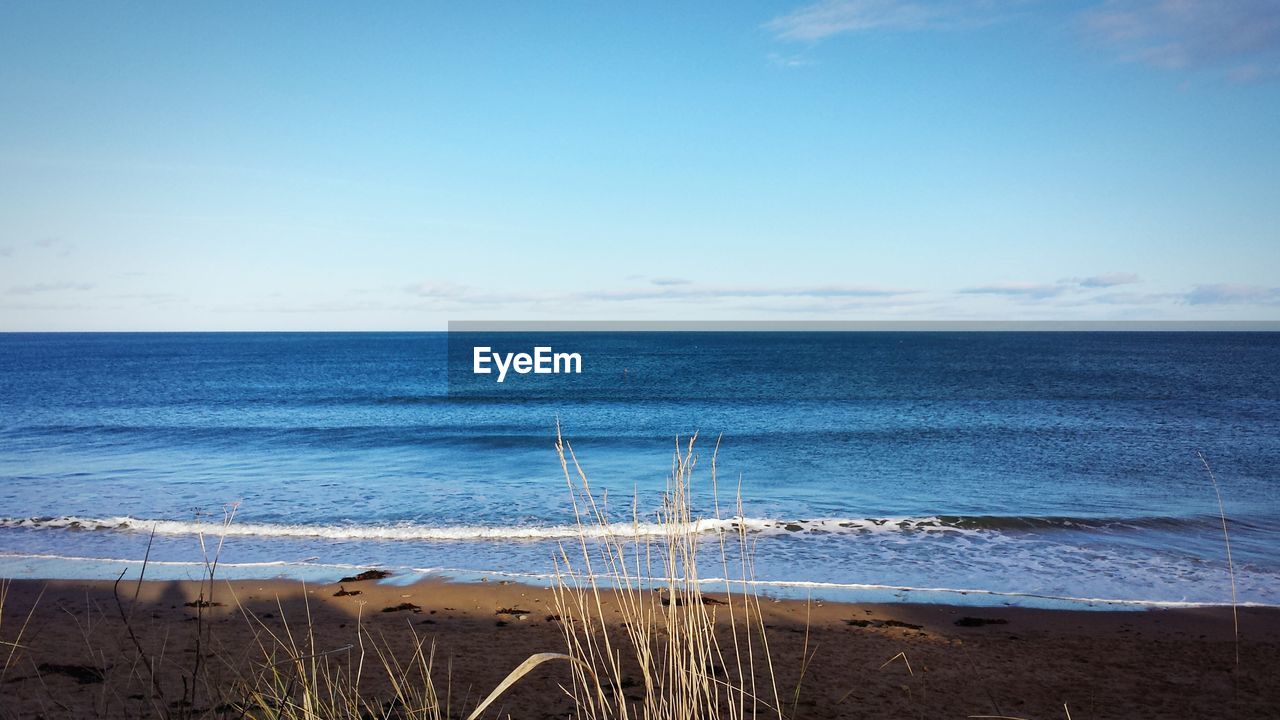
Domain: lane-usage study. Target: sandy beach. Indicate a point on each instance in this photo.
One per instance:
(951, 327)
(78, 658)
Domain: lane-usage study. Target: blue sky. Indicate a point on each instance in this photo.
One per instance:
(277, 166)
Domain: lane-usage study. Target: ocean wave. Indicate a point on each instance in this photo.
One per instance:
(353, 531)
(836, 590)
(756, 526)
(818, 585)
(177, 563)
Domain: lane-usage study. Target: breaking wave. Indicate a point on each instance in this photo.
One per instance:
(764, 526)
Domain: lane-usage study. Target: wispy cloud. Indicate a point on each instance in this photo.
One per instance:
(54, 244)
(838, 17)
(1229, 294)
(26, 307)
(1043, 291)
(1100, 290)
(1130, 298)
(659, 290)
(1239, 38)
(789, 60)
(1037, 291)
(1253, 72)
(6, 251)
(36, 288)
(300, 307)
(1107, 280)
(157, 298)
(435, 289)
(744, 291)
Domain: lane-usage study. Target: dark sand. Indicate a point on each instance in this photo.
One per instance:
(78, 660)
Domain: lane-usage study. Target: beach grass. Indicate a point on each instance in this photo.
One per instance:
(11, 649)
(669, 652)
(680, 653)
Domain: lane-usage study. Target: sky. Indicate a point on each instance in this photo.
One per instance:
(395, 166)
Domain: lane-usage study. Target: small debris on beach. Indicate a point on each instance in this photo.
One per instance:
(202, 603)
(883, 624)
(402, 606)
(366, 575)
(343, 592)
(967, 621)
(666, 598)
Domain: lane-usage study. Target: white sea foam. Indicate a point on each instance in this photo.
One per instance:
(397, 531)
(172, 563)
(975, 591)
(836, 589)
(413, 531)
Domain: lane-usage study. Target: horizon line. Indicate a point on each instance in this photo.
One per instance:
(752, 326)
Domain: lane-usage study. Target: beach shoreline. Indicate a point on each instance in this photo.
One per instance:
(79, 657)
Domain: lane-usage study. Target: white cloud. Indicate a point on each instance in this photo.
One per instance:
(1129, 298)
(36, 288)
(744, 291)
(438, 290)
(789, 60)
(1107, 280)
(1236, 39)
(1079, 287)
(1036, 291)
(153, 298)
(1230, 294)
(54, 244)
(838, 17)
(1239, 38)
(660, 292)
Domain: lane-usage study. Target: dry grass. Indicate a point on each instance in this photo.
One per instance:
(11, 649)
(669, 654)
(672, 653)
(1226, 540)
(297, 679)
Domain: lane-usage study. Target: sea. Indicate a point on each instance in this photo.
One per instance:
(1047, 469)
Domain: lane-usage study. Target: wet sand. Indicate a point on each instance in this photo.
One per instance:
(78, 658)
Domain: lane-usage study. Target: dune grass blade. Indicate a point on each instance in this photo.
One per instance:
(1231, 568)
(695, 657)
(521, 670)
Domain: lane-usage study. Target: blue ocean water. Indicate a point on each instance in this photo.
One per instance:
(967, 467)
